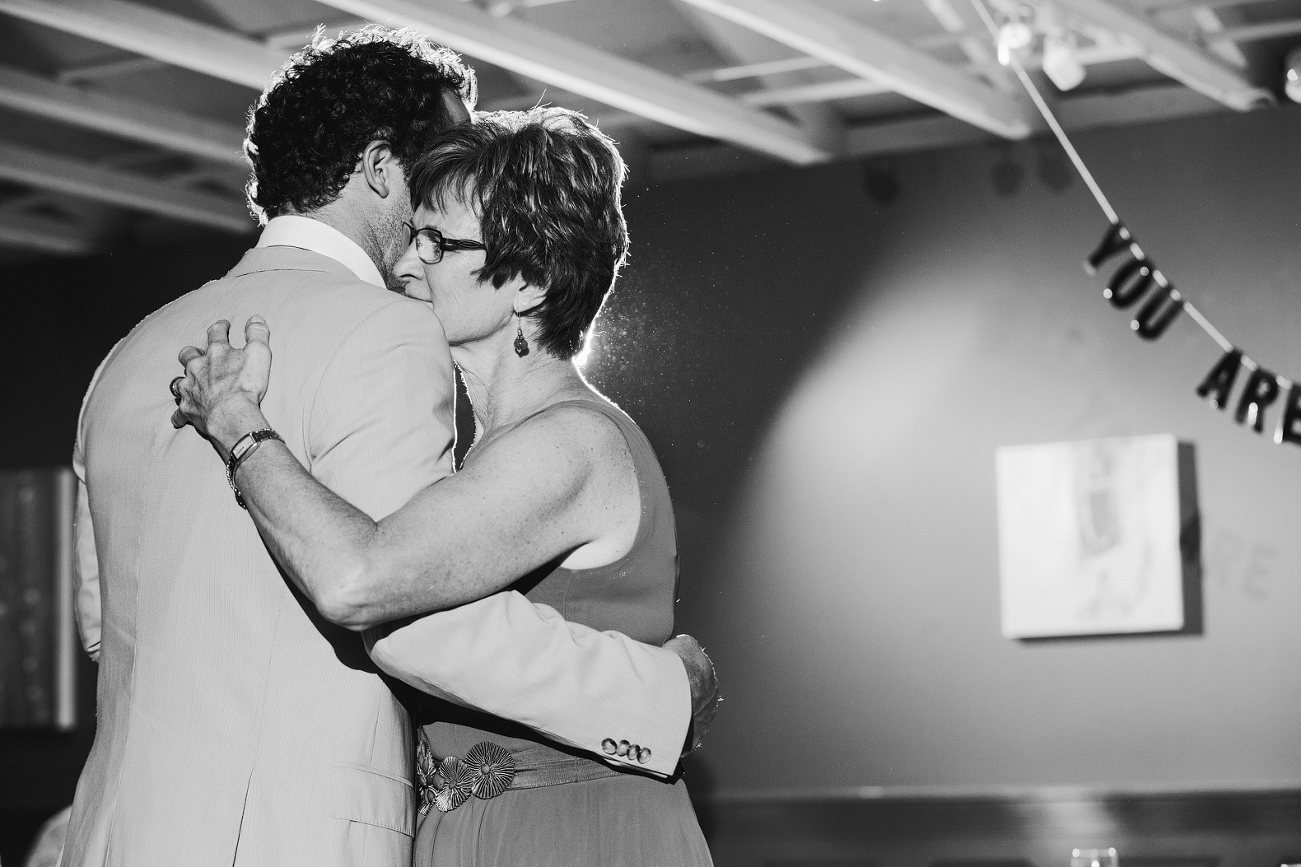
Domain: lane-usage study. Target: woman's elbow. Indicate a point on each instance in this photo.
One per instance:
(350, 601)
(379, 646)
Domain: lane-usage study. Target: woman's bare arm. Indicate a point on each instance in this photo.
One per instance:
(533, 495)
(529, 498)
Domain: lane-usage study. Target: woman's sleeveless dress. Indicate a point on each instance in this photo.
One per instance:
(620, 819)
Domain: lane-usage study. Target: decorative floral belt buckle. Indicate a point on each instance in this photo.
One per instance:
(486, 771)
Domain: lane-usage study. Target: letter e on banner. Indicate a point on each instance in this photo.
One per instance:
(1289, 428)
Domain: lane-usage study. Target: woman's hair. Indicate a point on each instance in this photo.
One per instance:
(309, 127)
(545, 185)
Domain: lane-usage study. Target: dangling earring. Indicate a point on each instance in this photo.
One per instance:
(521, 345)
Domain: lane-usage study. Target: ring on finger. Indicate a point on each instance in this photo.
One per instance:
(175, 387)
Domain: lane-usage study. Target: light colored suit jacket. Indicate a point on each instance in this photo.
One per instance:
(235, 726)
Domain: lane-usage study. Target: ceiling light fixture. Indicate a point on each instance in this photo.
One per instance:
(1046, 27)
(1292, 71)
(1060, 62)
(1012, 36)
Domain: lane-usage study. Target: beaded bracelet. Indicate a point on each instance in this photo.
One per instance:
(245, 446)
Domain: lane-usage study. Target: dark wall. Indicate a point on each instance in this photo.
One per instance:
(64, 315)
(828, 378)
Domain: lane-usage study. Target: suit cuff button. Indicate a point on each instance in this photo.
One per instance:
(622, 751)
(608, 746)
(643, 754)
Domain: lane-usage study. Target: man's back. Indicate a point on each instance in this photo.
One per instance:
(236, 725)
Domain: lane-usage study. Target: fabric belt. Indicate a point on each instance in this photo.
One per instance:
(488, 769)
(535, 768)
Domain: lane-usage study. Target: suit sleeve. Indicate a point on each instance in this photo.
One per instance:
(522, 661)
(381, 425)
(85, 565)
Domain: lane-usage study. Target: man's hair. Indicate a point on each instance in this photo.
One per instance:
(545, 185)
(320, 110)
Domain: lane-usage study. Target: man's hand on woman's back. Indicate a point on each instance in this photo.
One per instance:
(704, 688)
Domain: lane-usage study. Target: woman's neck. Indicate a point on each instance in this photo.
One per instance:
(504, 388)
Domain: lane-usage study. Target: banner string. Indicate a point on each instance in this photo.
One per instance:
(1056, 127)
(1092, 184)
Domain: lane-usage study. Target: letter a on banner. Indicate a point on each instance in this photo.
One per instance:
(1219, 382)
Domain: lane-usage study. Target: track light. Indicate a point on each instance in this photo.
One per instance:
(1060, 63)
(1012, 36)
(1292, 70)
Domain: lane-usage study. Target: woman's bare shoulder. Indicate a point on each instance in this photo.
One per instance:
(578, 426)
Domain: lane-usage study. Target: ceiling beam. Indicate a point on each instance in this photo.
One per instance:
(848, 88)
(43, 234)
(295, 38)
(1109, 52)
(843, 42)
(960, 20)
(137, 121)
(1180, 6)
(822, 91)
(1212, 23)
(1172, 56)
(758, 70)
(1262, 30)
(1076, 113)
(108, 69)
(562, 62)
(157, 34)
(1165, 101)
(744, 45)
(122, 189)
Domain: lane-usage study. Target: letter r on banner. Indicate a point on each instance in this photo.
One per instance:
(1260, 391)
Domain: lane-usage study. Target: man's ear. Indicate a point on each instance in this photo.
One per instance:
(381, 170)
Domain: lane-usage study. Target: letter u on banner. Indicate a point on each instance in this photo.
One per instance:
(1156, 314)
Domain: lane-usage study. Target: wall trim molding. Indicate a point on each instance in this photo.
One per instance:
(1083, 792)
(1220, 825)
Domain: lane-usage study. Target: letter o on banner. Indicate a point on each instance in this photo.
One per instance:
(1130, 282)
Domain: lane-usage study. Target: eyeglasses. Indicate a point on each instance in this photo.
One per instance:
(431, 244)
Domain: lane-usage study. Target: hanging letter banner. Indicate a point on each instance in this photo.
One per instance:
(1137, 281)
(1137, 277)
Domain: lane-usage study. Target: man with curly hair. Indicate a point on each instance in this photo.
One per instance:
(236, 723)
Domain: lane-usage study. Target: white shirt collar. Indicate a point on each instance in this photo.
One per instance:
(308, 234)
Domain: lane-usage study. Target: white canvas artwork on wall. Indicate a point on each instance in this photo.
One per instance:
(1088, 536)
